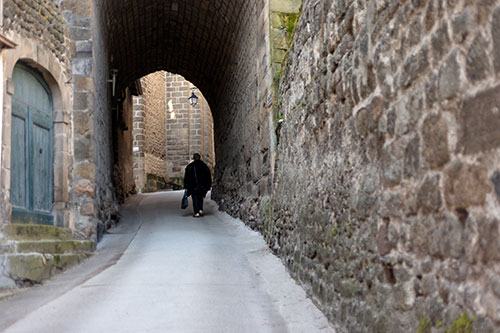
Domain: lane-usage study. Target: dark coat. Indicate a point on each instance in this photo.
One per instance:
(197, 178)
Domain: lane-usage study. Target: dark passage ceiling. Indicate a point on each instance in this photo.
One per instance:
(194, 38)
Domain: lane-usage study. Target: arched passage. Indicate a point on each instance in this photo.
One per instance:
(165, 132)
(222, 47)
(201, 40)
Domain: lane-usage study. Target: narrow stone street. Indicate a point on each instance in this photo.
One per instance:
(179, 274)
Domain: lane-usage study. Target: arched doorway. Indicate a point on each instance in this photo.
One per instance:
(31, 190)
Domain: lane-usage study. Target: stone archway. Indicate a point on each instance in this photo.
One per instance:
(222, 47)
(167, 130)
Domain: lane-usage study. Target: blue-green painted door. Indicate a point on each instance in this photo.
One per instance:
(32, 159)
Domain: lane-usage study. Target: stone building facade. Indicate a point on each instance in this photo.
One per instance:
(42, 44)
(150, 130)
(168, 130)
(189, 129)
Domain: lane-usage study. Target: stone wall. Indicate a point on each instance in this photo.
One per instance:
(224, 49)
(138, 143)
(39, 19)
(153, 87)
(123, 175)
(189, 129)
(168, 130)
(243, 120)
(42, 40)
(105, 120)
(79, 16)
(386, 202)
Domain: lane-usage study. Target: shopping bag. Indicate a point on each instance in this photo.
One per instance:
(184, 202)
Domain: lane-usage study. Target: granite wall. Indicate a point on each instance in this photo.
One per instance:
(386, 203)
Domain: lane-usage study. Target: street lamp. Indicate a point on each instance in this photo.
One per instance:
(193, 100)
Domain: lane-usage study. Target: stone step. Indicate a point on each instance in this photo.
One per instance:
(27, 269)
(7, 247)
(54, 246)
(36, 232)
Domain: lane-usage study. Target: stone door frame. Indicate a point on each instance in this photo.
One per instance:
(31, 54)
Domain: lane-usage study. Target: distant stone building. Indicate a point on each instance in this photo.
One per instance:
(168, 130)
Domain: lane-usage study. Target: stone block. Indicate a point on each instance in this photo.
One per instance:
(84, 83)
(83, 148)
(392, 165)
(495, 32)
(86, 170)
(480, 122)
(452, 238)
(79, 34)
(440, 42)
(81, 100)
(449, 78)
(84, 46)
(382, 240)
(412, 157)
(82, 122)
(488, 239)
(55, 246)
(463, 25)
(465, 185)
(285, 6)
(279, 39)
(85, 188)
(429, 195)
(477, 62)
(278, 55)
(82, 66)
(82, 8)
(31, 267)
(87, 209)
(276, 20)
(435, 140)
(36, 232)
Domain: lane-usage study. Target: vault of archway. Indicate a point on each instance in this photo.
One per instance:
(194, 38)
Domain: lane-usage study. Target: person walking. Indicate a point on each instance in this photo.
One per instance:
(197, 181)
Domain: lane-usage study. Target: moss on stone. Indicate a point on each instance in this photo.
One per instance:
(36, 232)
(288, 24)
(333, 232)
(424, 326)
(463, 324)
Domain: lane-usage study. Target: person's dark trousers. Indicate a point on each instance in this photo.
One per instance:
(197, 203)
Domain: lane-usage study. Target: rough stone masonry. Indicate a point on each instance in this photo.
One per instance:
(387, 195)
(384, 198)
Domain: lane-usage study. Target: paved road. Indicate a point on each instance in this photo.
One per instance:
(182, 274)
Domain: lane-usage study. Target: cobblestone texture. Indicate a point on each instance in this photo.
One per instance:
(384, 204)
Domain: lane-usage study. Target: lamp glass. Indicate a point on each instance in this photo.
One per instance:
(193, 100)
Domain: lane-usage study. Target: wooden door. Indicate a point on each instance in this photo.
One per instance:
(31, 190)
